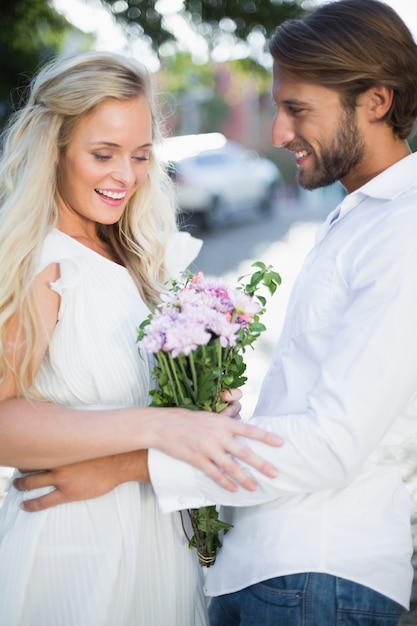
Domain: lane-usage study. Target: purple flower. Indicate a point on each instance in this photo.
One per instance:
(193, 315)
(185, 336)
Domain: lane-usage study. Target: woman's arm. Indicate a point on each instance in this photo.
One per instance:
(39, 435)
(90, 479)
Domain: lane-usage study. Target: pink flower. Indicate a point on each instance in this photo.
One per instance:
(245, 317)
(198, 279)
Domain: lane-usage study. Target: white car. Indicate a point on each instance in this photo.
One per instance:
(216, 178)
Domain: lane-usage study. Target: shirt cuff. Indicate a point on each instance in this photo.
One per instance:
(174, 483)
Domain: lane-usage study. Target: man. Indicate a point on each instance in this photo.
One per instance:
(328, 541)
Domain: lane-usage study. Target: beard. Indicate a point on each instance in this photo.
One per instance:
(345, 151)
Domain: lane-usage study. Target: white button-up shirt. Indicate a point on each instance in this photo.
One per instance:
(342, 392)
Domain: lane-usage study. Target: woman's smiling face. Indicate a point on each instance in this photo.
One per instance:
(105, 162)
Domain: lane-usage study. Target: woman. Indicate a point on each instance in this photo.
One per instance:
(86, 218)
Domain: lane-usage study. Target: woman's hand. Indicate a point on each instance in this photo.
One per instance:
(212, 442)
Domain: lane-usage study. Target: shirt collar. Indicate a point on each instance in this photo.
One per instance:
(393, 181)
(390, 184)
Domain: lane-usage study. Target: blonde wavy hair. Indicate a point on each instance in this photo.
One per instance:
(59, 95)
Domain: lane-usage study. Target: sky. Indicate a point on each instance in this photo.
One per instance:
(90, 16)
(407, 10)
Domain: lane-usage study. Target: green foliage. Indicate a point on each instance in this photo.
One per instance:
(247, 16)
(248, 68)
(30, 33)
(207, 528)
(144, 14)
(180, 74)
(27, 25)
(264, 276)
(208, 17)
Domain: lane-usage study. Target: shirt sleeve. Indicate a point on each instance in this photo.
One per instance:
(174, 482)
(367, 378)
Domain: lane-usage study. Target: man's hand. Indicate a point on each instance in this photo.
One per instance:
(84, 480)
(234, 406)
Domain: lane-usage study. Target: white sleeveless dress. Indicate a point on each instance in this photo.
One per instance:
(115, 560)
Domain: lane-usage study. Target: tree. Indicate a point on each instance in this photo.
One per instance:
(211, 18)
(247, 15)
(30, 33)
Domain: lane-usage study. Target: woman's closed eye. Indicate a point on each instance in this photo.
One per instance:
(101, 157)
(107, 157)
(141, 158)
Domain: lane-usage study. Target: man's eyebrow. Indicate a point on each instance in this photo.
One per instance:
(294, 101)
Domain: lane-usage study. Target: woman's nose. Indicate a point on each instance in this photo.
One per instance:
(125, 172)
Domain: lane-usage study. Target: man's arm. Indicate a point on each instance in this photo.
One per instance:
(96, 477)
(84, 480)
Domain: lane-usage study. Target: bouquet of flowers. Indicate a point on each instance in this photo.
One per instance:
(198, 335)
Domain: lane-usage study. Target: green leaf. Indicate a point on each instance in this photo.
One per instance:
(259, 264)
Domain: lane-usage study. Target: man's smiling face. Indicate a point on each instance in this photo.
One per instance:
(312, 123)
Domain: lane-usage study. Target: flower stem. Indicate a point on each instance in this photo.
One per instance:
(191, 388)
(163, 362)
(219, 351)
(171, 362)
(194, 375)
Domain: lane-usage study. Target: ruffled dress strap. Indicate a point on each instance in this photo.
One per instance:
(58, 248)
(181, 251)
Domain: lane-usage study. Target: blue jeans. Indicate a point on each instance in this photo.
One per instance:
(304, 600)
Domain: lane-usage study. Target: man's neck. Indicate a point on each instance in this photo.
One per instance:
(374, 164)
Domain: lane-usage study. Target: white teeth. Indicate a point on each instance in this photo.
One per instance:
(300, 154)
(112, 194)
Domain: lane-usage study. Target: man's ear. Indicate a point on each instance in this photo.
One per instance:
(378, 101)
